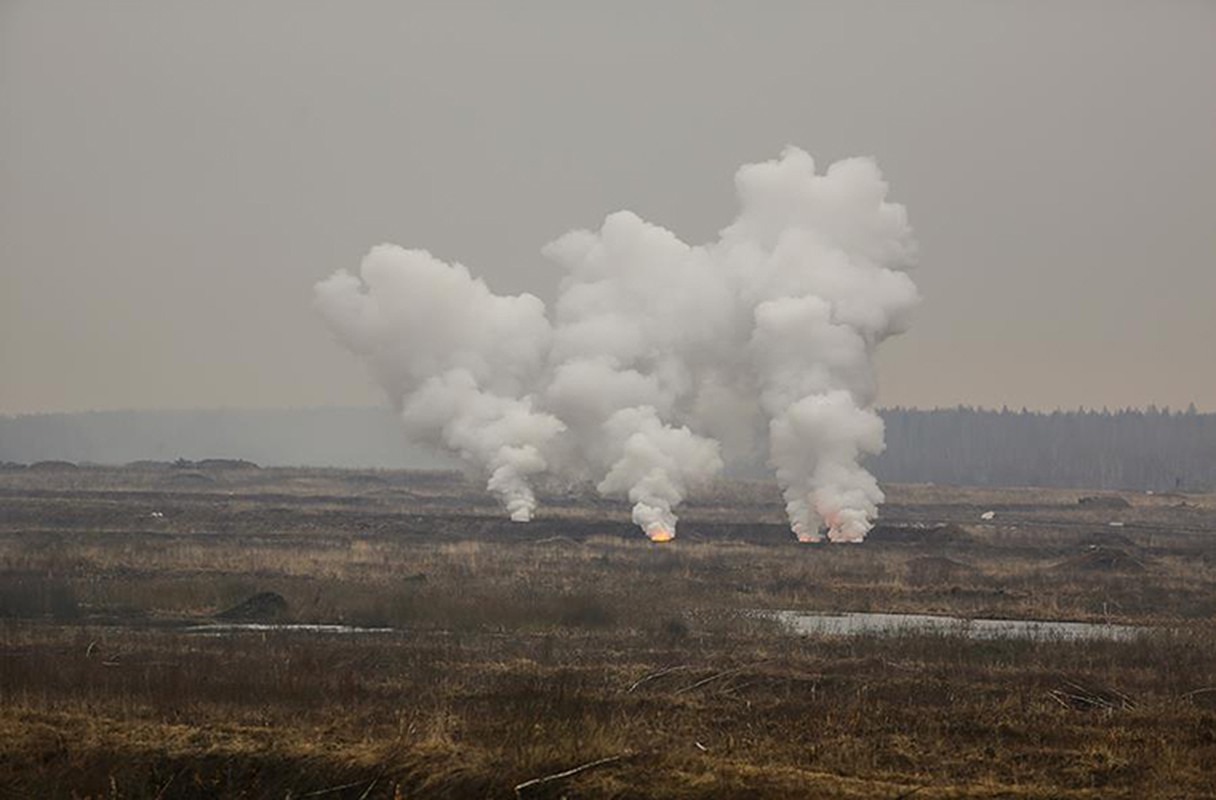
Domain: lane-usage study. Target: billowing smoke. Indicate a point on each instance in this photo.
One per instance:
(661, 362)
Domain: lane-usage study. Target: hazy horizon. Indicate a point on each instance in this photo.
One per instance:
(385, 407)
(946, 446)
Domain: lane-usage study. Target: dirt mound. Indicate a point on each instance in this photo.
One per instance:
(366, 479)
(53, 466)
(1109, 538)
(216, 463)
(918, 535)
(188, 478)
(1104, 501)
(1101, 558)
(262, 607)
(937, 569)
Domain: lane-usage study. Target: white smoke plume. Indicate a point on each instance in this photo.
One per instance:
(661, 362)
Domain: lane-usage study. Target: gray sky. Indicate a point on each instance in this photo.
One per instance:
(175, 176)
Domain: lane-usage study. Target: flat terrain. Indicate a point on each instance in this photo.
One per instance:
(497, 653)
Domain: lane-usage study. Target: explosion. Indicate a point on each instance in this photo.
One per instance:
(661, 364)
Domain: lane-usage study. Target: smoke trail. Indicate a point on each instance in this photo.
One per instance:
(661, 361)
(454, 358)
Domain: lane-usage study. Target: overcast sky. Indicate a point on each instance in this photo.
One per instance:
(175, 176)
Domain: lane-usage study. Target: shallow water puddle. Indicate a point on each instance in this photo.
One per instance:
(225, 628)
(852, 623)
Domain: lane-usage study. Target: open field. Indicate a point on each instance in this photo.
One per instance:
(509, 652)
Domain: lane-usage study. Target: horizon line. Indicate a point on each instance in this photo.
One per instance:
(1191, 408)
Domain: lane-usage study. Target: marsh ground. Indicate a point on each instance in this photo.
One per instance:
(519, 651)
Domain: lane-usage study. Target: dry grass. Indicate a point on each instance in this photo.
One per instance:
(514, 658)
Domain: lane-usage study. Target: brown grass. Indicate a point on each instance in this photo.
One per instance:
(512, 658)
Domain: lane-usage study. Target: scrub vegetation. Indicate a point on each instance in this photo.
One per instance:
(501, 653)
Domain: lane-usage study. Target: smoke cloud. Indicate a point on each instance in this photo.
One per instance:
(661, 363)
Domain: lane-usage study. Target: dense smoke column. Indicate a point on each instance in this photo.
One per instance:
(455, 359)
(660, 361)
(820, 260)
(637, 313)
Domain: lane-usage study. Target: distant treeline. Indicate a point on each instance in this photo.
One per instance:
(1131, 449)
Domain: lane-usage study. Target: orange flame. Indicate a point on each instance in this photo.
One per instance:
(830, 518)
(660, 535)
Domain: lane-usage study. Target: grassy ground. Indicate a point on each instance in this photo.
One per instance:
(522, 651)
